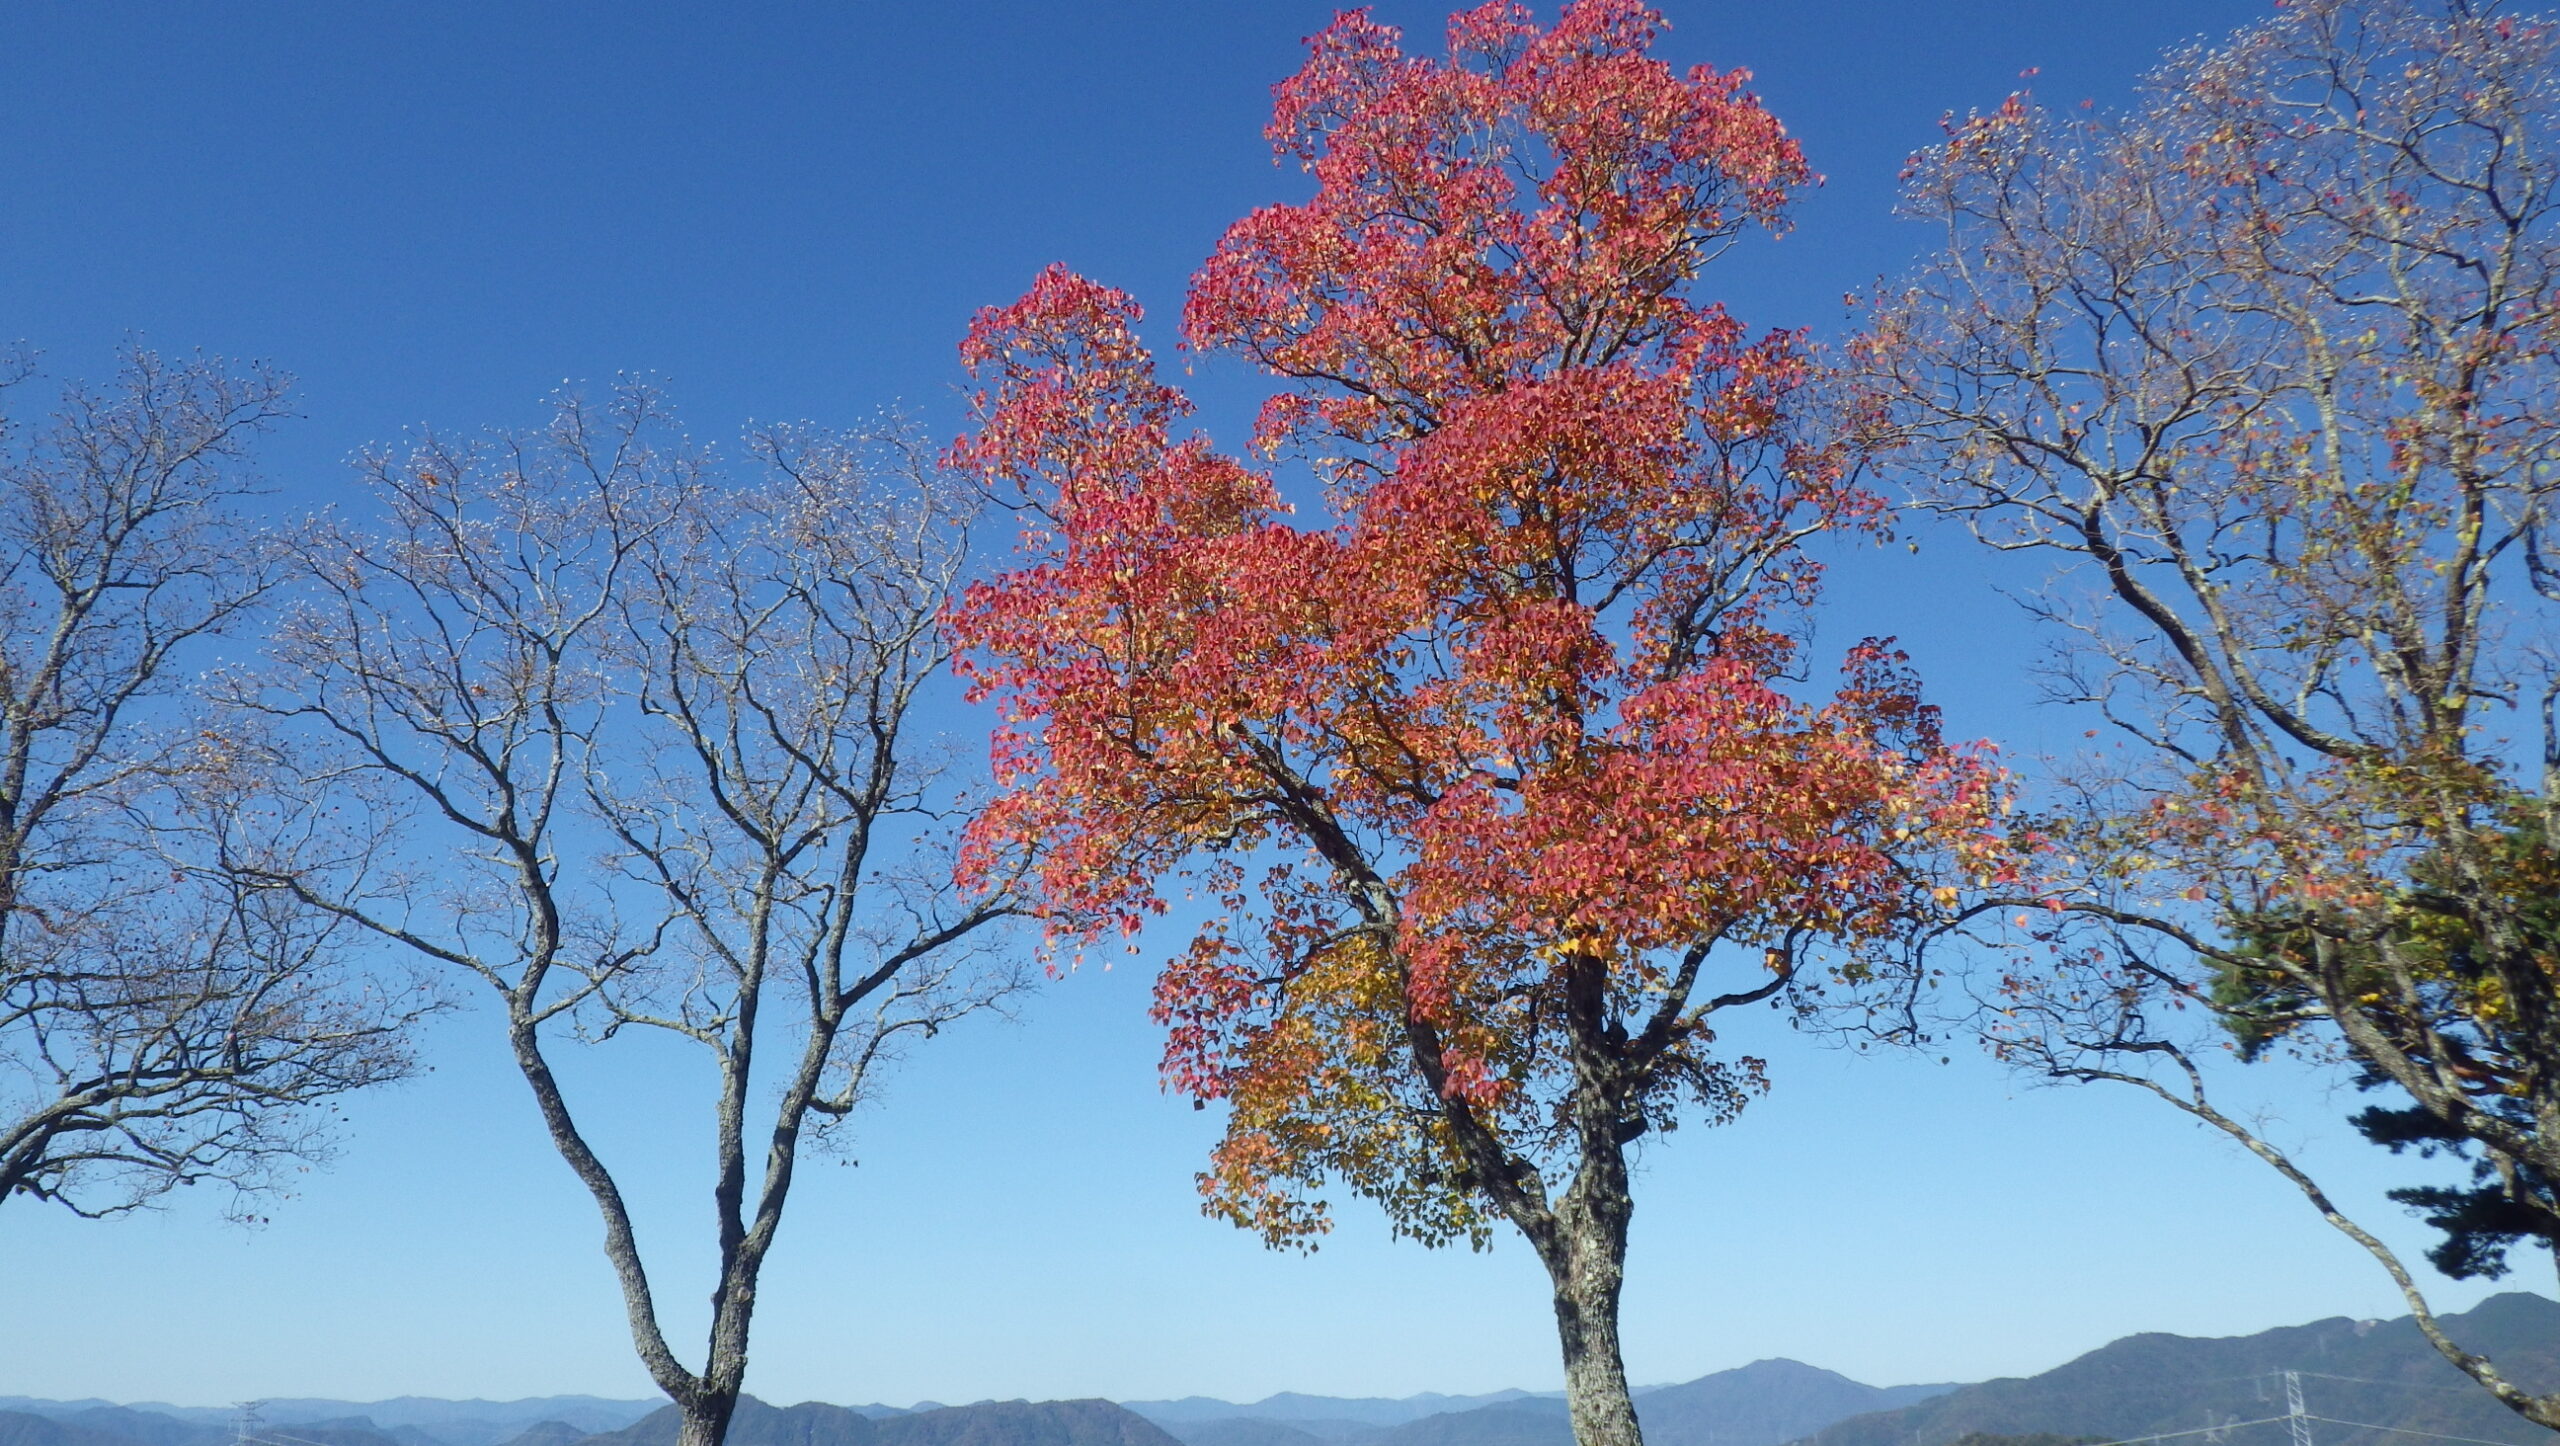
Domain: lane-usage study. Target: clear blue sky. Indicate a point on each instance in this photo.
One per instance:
(438, 212)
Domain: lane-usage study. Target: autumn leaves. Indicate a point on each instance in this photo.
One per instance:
(1494, 750)
(1496, 768)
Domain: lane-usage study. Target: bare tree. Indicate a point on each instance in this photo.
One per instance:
(2270, 363)
(162, 1022)
(651, 743)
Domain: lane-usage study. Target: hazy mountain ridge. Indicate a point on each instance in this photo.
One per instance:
(125, 1426)
(2376, 1372)
(1256, 1431)
(400, 1421)
(1761, 1404)
(1528, 1421)
(2379, 1373)
(988, 1423)
(1298, 1408)
(549, 1433)
(1730, 1408)
(26, 1428)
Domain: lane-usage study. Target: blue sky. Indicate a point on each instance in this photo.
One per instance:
(438, 213)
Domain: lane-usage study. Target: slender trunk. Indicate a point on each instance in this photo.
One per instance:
(706, 1417)
(1586, 1250)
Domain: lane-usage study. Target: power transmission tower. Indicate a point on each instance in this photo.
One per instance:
(2296, 1420)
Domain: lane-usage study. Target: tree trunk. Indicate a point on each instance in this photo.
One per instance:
(706, 1418)
(1587, 1279)
(1586, 1250)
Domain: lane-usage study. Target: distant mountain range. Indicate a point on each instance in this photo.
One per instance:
(25, 1422)
(409, 1420)
(989, 1423)
(1761, 1404)
(2366, 1383)
(1291, 1406)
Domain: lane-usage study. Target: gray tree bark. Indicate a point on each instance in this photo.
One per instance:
(1587, 1264)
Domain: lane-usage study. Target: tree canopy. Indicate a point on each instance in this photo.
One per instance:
(1502, 777)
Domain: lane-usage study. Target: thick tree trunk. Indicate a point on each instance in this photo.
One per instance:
(706, 1418)
(1595, 1377)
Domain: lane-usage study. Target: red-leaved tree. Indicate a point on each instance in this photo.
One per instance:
(1495, 775)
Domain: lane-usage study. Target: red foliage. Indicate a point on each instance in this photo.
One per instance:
(1517, 712)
